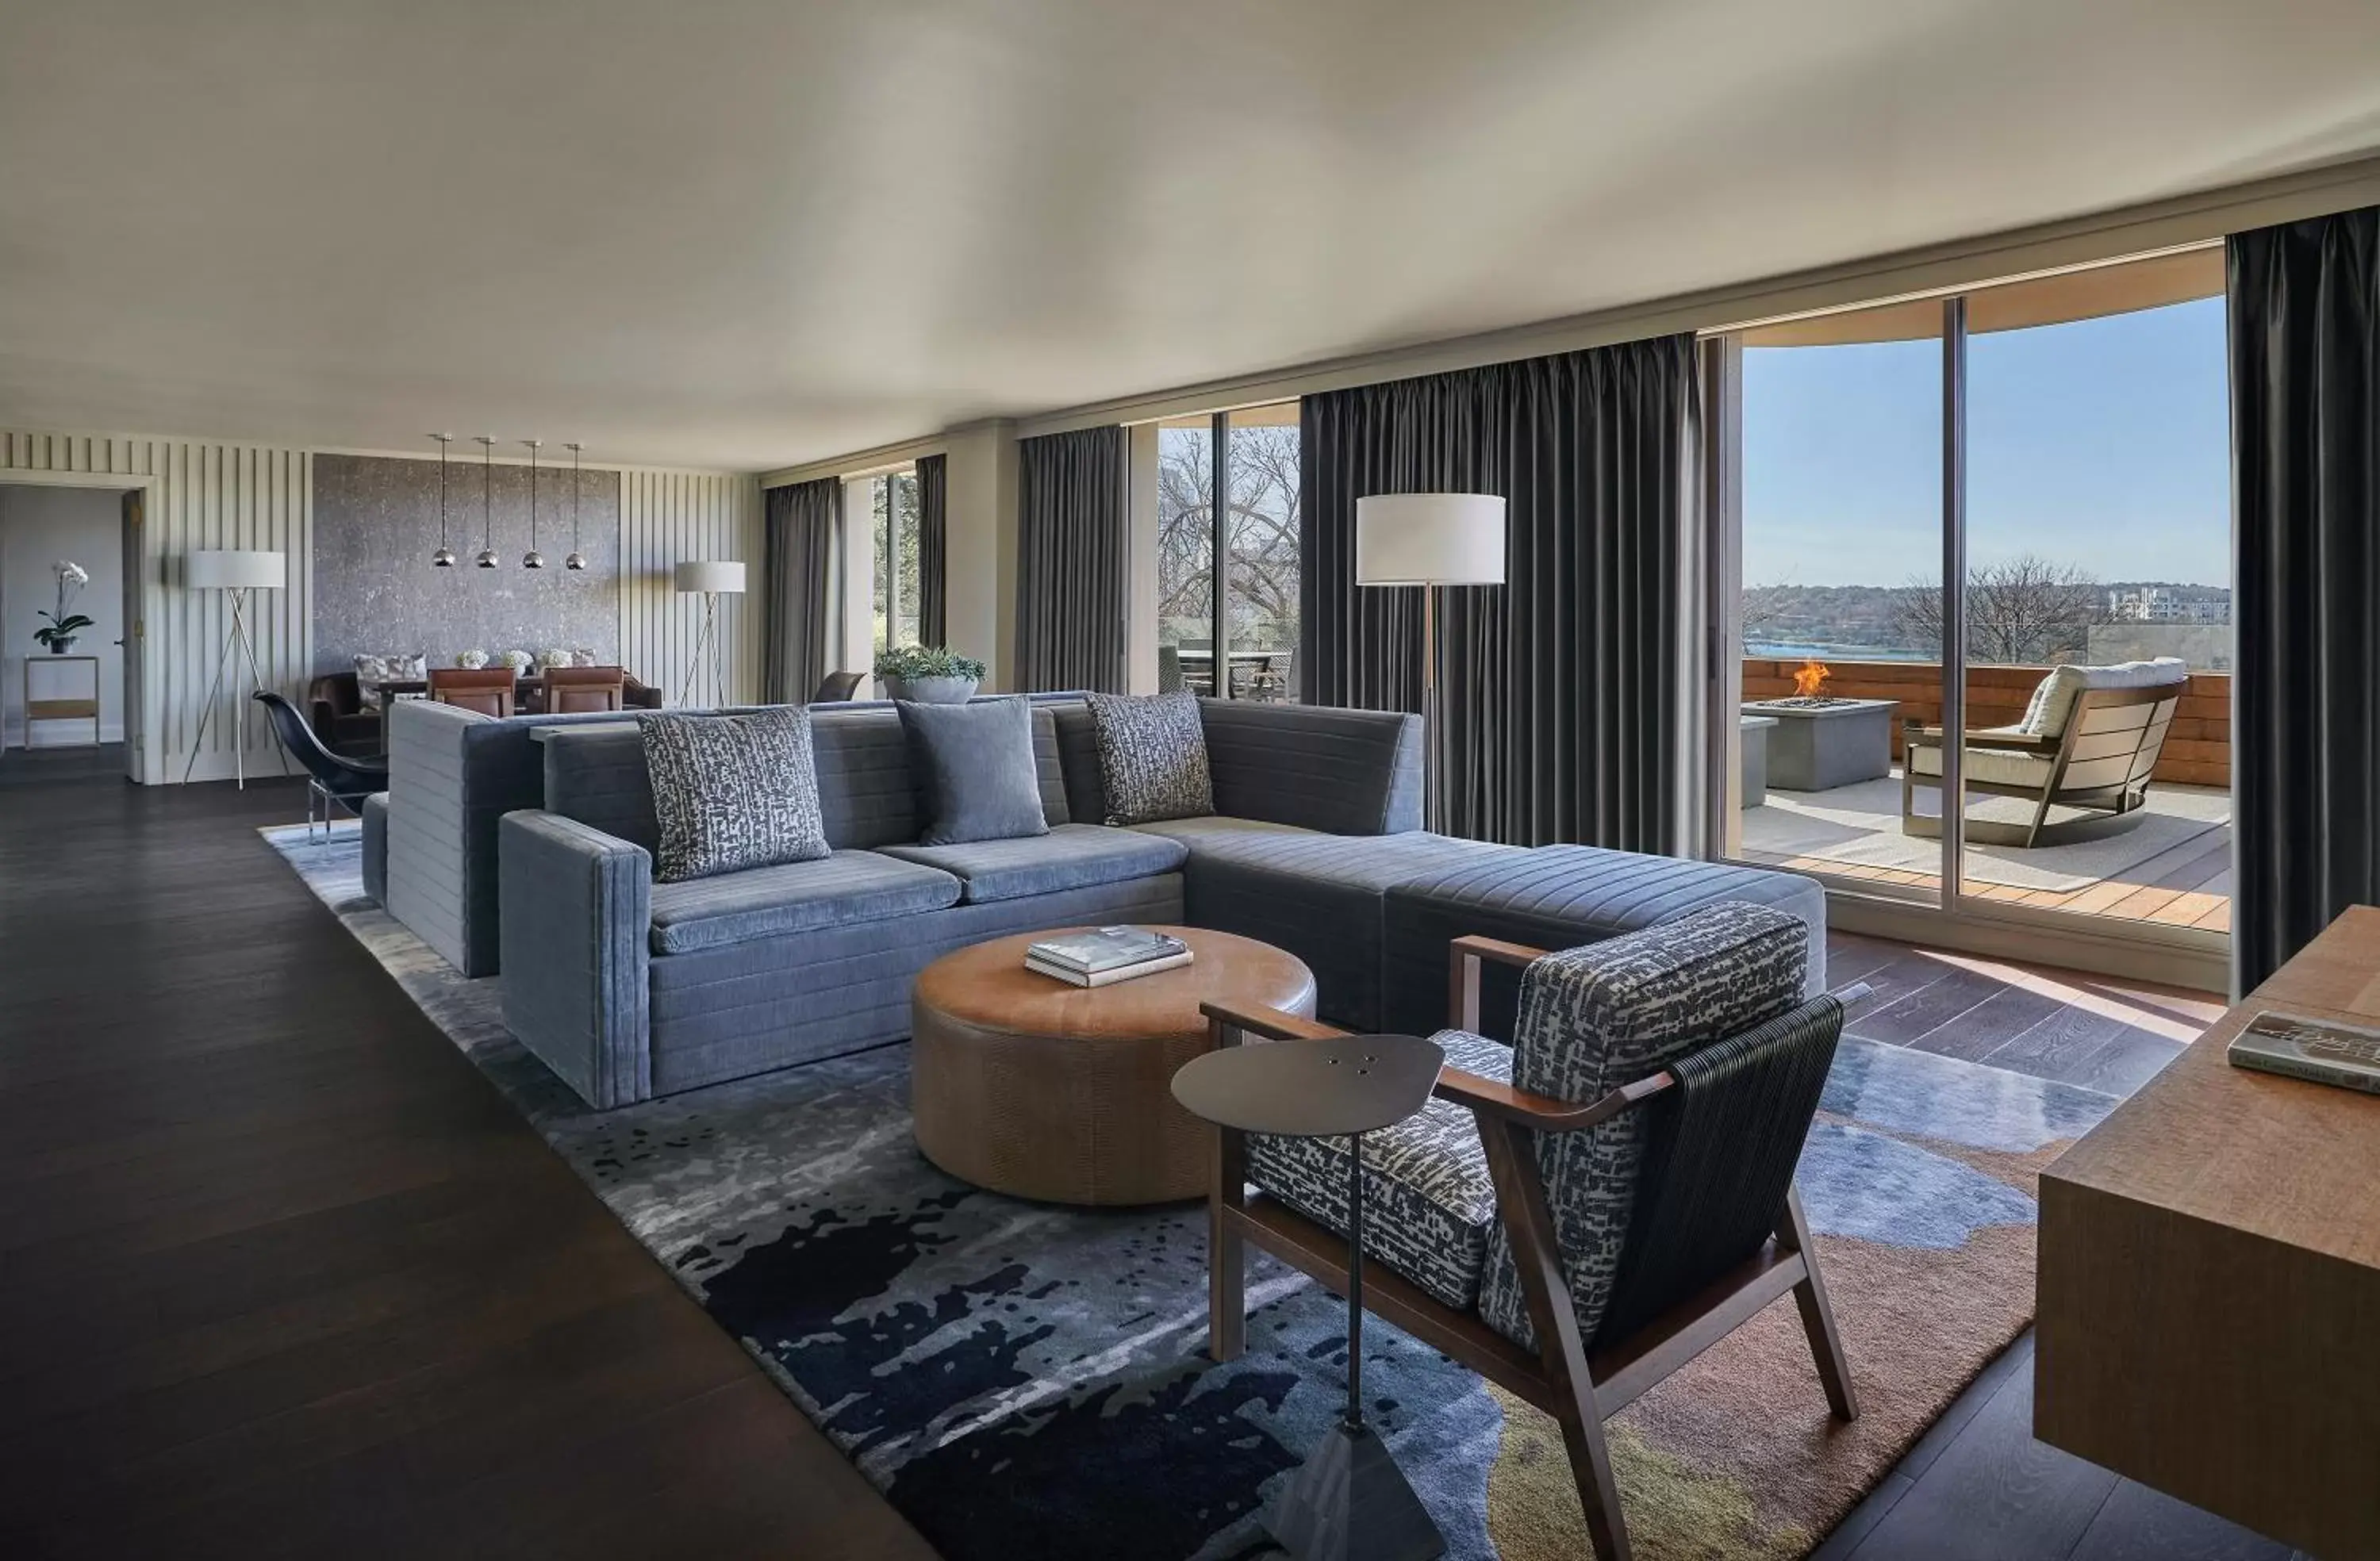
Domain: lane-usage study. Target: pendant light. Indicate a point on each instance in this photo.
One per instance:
(445, 557)
(532, 559)
(487, 559)
(576, 559)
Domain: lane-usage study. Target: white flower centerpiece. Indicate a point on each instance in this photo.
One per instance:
(519, 662)
(471, 660)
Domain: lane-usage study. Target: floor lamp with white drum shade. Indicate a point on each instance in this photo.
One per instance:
(1430, 540)
(713, 577)
(236, 571)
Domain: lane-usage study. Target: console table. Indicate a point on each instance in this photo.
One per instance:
(2209, 1283)
(61, 688)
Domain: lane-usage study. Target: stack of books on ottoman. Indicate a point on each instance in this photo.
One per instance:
(1106, 955)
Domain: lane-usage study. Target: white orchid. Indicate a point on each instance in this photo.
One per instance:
(58, 634)
(71, 574)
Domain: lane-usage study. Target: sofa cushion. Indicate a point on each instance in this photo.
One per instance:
(1351, 772)
(1595, 1018)
(835, 890)
(1152, 757)
(1316, 895)
(1556, 896)
(977, 775)
(1069, 856)
(733, 792)
(1427, 1198)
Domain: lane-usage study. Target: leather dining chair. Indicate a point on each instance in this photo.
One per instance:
(488, 690)
(571, 690)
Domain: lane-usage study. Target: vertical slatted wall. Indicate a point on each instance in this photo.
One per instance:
(668, 517)
(205, 496)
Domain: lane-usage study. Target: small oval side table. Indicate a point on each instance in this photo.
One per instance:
(1349, 1498)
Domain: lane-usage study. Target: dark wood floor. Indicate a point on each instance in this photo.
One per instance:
(280, 1275)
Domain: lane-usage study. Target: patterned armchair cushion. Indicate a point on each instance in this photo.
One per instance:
(1152, 757)
(733, 792)
(1428, 1199)
(1597, 1018)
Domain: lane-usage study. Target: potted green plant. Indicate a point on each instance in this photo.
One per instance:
(928, 674)
(58, 634)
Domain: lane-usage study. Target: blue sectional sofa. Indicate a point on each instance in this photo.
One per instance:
(629, 989)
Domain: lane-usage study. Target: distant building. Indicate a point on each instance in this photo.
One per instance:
(2206, 647)
(2162, 604)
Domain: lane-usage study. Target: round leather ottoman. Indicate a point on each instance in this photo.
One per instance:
(1024, 1085)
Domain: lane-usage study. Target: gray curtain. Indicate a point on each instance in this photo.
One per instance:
(933, 533)
(1562, 689)
(2305, 464)
(800, 553)
(1072, 568)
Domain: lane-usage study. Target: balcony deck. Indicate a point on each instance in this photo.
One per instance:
(2169, 863)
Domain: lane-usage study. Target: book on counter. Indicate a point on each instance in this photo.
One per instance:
(2320, 1050)
(1106, 955)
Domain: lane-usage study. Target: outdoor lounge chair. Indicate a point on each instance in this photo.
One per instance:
(1577, 1215)
(2090, 739)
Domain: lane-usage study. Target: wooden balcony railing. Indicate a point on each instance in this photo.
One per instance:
(2197, 751)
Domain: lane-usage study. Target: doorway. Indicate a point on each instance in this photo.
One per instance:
(69, 607)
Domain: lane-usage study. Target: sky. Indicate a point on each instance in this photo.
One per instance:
(2103, 444)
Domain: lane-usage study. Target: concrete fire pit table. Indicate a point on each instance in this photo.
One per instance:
(1823, 743)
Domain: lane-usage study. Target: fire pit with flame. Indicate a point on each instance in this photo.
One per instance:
(1825, 740)
(1808, 683)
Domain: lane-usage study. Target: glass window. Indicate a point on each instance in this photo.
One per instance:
(1250, 458)
(892, 524)
(1185, 553)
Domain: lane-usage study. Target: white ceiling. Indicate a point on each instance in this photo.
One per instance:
(746, 234)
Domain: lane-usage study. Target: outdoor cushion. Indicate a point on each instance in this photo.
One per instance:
(1427, 1198)
(2053, 696)
(1600, 1017)
(1996, 765)
(1069, 856)
(976, 771)
(732, 792)
(847, 886)
(1152, 757)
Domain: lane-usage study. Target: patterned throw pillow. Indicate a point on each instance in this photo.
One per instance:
(733, 792)
(1152, 757)
(373, 671)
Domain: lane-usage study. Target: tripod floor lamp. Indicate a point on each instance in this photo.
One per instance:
(235, 573)
(1430, 540)
(713, 577)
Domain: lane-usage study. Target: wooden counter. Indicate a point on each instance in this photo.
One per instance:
(2209, 1285)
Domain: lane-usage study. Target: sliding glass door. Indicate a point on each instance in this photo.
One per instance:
(1227, 489)
(1980, 547)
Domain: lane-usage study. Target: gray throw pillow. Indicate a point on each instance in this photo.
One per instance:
(733, 792)
(1152, 757)
(976, 774)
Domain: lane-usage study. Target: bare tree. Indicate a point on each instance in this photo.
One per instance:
(2023, 611)
(1261, 550)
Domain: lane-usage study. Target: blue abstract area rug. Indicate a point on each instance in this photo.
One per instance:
(1026, 1381)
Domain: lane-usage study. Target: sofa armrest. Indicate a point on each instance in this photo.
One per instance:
(574, 906)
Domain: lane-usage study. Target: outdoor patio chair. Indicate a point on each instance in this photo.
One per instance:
(2090, 739)
(1579, 1214)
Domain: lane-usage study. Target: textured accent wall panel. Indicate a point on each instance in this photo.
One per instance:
(668, 518)
(376, 592)
(203, 496)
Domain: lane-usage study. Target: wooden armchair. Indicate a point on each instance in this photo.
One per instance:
(1573, 1250)
(2100, 758)
(488, 690)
